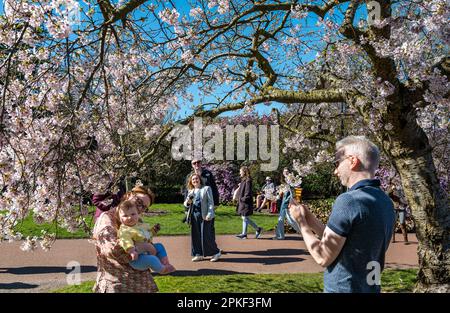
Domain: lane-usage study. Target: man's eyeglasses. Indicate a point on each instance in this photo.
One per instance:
(338, 162)
(196, 162)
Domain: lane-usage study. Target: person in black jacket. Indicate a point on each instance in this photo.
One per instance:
(245, 203)
(400, 212)
(207, 179)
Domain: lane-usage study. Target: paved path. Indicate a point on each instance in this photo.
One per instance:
(41, 271)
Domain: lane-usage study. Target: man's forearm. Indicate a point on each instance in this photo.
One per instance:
(315, 224)
(325, 249)
(312, 243)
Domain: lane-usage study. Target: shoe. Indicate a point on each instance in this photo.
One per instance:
(241, 236)
(197, 258)
(277, 238)
(216, 257)
(165, 261)
(258, 232)
(167, 269)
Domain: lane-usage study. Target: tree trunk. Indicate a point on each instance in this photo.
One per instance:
(410, 152)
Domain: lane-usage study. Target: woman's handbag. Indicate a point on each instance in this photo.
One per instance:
(189, 214)
(188, 218)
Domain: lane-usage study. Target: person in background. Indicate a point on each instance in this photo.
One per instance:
(203, 237)
(400, 213)
(267, 192)
(207, 179)
(284, 214)
(103, 202)
(245, 204)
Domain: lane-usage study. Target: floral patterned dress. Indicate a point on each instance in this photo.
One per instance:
(114, 274)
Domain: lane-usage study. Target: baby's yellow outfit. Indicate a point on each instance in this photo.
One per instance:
(129, 235)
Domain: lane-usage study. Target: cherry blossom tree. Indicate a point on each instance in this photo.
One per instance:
(73, 103)
(75, 98)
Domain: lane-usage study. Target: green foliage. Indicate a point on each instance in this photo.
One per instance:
(391, 281)
(321, 184)
(321, 208)
(169, 194)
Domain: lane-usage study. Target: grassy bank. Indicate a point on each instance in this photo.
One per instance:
(391, 281)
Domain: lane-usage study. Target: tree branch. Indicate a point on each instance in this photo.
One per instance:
(122, 12)
(313, 96)
(347, 28)
(308, 135)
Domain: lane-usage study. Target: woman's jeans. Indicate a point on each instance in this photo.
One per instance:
(279, 231)
(245, 222)
(146, 261)
(284, 214)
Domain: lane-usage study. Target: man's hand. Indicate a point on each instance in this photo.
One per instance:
(298, 212)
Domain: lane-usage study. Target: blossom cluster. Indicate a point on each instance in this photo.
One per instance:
(70, 123)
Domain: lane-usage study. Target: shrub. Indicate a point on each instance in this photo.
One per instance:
(320, 208)
(168, 195)
(321, 184)
(226, 176)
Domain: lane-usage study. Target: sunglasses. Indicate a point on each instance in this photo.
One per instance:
(338, 162)
(140, 204)
(196, 162)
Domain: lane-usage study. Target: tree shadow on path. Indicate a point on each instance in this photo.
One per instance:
(17, 285)
(31, 270)
(271, 252)
(264, 261)
(287, 238)
(269, 256)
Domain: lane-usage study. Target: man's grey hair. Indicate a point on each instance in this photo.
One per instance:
(364, 149)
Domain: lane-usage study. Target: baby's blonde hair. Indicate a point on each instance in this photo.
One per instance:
(126, 205)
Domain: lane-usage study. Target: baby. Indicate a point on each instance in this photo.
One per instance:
(133, 230)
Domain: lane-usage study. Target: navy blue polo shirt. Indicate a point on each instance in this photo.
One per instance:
(365, 216)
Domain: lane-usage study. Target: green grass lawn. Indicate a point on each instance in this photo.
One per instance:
(28, 227)
(168, 215)
(391, 281)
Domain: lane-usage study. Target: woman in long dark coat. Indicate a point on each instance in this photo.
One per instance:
(245, 203)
